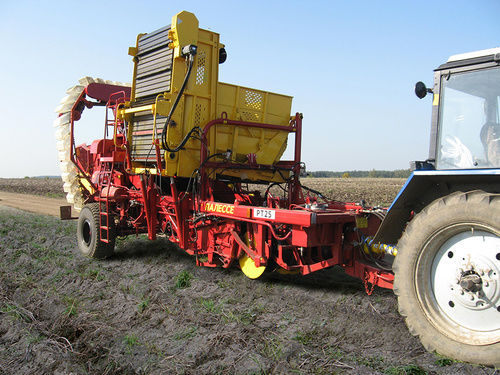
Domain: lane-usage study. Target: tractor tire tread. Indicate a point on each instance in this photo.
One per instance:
(97, 249)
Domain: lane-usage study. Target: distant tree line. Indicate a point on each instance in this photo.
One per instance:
(398, 173)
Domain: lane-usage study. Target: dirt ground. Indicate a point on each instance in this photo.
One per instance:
(150, 310)
(33, 203)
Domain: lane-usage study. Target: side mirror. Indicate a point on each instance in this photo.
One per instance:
(421, 90)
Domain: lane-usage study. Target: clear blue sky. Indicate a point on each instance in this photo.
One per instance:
(350, 66)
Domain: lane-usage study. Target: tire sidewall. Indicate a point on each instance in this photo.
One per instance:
(419, 245)
(86, 216)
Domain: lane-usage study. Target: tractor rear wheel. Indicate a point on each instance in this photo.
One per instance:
(88, 238)
(447, 277)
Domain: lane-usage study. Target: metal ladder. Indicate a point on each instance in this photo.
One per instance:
(113, 103)
(106, 183)
(107, 166)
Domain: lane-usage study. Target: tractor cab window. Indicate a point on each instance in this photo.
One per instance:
(469, 124)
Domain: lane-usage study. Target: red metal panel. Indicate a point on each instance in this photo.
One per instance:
(299, 237)
(245, 213)
(102, 92)
(316, 235)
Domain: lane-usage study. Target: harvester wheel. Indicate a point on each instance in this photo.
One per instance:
(249, 268)
(447, 277)
(88, 239)
(247, 265)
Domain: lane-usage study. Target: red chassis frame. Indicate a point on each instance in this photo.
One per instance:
(218, 221)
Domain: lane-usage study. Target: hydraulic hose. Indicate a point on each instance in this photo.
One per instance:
(312, 191)
(174, 106)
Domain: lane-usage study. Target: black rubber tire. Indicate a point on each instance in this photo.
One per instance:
(417, 250)
(87, 234)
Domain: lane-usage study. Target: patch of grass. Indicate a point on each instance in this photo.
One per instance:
(68, 229)
(210, 306)
(258, 363)
(241, 317)
(405, 370)
(289, 317)
(155, 350)
(223, 284)
(71, 306)
(34, 338)
(185, 334)
(375, 362)
(119, 241)
(18, 253)
(61, 274)
(131, 340)
(443, 361)
(271, 348)
(128, 289)
(12, 311)
(306, 337)
(94, 274)
(322, 371)
(27, 281)
(183, 280)
(245, 316)
(334, 352)
(44, 254)
(143, 305)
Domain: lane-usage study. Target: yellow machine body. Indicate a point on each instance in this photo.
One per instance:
(159, 72)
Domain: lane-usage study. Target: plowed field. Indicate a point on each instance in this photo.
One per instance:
(150, 310)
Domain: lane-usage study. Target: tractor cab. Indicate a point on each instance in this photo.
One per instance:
(464, 151)
(466, 116)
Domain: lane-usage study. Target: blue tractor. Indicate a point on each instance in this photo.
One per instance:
(446, 219)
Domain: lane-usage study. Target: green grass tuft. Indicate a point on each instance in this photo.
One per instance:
(183, 280)
(405, 370)
(143, 305)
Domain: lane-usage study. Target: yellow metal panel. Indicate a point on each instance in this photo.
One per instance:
(142, 170)
(184, 31)
(246, 104)
(86, 184)
(205, 99)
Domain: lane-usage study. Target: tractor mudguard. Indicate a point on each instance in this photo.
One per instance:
(425, 186)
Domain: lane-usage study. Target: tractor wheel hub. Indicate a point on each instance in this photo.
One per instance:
(471, 282)
(466, 282)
